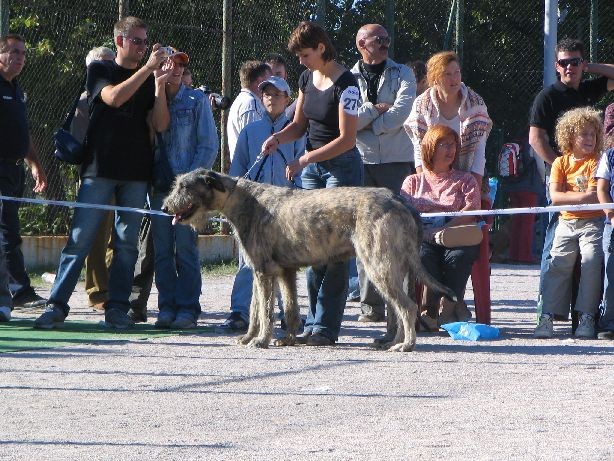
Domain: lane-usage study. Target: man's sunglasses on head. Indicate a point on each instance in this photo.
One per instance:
(575, 62)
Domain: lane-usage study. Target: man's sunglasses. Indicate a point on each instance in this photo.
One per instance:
(382, 40)
(575, 62)
(138, 41)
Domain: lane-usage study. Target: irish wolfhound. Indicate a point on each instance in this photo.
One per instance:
(281, 230)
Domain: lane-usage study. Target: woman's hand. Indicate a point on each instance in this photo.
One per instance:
(294, 168)
(428, 235)
(270, 145)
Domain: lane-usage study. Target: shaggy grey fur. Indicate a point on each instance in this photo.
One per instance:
(281, 230)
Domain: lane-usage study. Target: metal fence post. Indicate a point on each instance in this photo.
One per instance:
(226, 78)
(460, 19)
(594, 30)
(390, 7)
(5, 10)
(124, 8)
(550, 31)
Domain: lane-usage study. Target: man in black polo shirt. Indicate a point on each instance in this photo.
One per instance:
(16, 148)
(122, 98)
(567, 93)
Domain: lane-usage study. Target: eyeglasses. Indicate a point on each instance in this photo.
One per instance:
(446, 145)
(382, 40)
(575, 62)
(138, 41)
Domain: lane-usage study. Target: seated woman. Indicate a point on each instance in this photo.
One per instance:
(441, 187)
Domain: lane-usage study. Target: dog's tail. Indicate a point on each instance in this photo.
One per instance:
(425, 277)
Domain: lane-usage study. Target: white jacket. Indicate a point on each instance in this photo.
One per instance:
(381, 138)
(246, 108)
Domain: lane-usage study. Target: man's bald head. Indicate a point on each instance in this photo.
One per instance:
(372, 41)
(368, 30)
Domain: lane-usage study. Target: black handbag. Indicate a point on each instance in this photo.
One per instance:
(163, 175)
(67, 148)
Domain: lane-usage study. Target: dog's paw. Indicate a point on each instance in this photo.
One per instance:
(245, 339)
(285, 341)
(259, 343)
(401, 347)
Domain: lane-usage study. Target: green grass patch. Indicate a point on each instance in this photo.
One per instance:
(19, 335)
(227, 267)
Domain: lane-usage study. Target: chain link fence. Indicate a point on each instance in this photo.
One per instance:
(501, 43)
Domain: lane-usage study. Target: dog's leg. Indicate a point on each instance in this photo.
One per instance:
(389, 281)
(287, 284)
(266, 303)
(254, 308)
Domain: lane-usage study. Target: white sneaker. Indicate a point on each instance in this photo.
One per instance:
(544, 328)
(586, 327)
(5, 314)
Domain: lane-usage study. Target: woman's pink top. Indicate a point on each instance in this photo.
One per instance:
(430, 192)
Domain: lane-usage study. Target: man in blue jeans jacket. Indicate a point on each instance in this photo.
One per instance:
(270, 170)
(189, 143)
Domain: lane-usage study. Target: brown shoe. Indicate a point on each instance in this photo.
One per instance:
(428, 324)
(446, 314)
(462, 312)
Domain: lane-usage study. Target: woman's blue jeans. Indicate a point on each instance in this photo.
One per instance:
(176, 263)
(327, 285)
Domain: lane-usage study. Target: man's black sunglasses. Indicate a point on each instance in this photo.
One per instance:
(138, 41)
(575, 62)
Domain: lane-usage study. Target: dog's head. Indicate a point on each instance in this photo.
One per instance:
(196, 194)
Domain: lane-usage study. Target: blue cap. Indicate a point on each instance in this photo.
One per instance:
(277, 82)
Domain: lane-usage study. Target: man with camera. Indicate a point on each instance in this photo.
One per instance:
(123, 97)
(247, 106)
(17, 149)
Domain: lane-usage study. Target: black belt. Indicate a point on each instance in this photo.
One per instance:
(12, 161)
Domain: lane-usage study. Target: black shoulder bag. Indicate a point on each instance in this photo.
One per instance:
(67, 148)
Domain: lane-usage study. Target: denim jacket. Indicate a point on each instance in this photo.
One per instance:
(249, 146)
(191, 141)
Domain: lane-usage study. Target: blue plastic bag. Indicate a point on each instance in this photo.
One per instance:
(466, 331)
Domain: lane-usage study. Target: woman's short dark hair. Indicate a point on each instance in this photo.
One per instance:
(309, 35)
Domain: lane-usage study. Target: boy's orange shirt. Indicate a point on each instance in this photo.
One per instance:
(577, 176)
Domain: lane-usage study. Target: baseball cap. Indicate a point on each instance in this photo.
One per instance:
(178, 56)
(277, 82)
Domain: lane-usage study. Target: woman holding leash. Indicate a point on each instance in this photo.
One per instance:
(327, 105)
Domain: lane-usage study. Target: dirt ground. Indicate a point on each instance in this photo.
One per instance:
(203, 397)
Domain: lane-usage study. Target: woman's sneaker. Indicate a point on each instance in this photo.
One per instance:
(544, 329)
(586, 327)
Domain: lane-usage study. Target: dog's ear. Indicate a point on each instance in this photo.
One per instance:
(214, 180)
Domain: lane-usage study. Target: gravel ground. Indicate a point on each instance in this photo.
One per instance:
(204, 397)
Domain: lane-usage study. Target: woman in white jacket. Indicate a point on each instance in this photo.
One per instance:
(450, 102)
